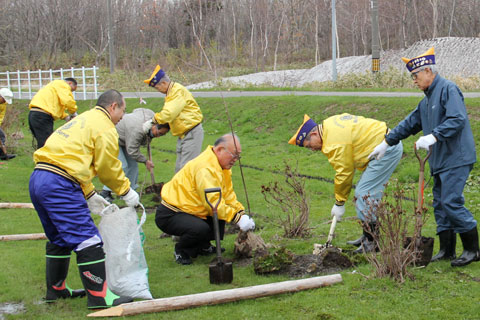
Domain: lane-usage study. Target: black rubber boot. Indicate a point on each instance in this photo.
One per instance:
(4, 156)
(368, 244)
(448, 242)
(471, 252)
(91, 263)
(57, 262)
(357, 242)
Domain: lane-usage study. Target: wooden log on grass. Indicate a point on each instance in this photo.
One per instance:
(14, 205)
(27, 236)
(217, 297)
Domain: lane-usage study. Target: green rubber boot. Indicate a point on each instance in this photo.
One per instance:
(91, 263)
(57, 262)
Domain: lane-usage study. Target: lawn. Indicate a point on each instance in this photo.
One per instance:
(264, 125)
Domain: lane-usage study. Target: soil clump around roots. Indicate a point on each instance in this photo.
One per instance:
(266, 260)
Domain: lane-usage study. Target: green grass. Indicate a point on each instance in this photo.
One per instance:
(264, 124)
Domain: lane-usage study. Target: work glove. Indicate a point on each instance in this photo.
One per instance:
(338, 211)
(97, 203)
(132, 199)
(379, 151)
(70, 116)
(147, 125)
(246, 223)
(425, 142)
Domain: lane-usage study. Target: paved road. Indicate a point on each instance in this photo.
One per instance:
(232, 94)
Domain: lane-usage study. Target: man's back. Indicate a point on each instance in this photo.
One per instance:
(131, 124)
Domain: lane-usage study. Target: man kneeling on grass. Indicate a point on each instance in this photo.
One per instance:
(184, 212)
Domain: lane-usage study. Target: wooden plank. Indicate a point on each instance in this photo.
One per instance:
(217, 297)
(14, 205)
(28, 236)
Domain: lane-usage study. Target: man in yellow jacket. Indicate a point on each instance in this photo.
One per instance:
(184, 212)
(182, 113)
(49, 104)
(63, 195)
(348, 142)
(6, 97)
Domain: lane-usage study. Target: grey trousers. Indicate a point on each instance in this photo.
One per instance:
(189, 147)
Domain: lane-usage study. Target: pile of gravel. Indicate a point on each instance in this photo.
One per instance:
(454, 57)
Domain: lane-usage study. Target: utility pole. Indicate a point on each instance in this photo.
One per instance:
(111, 50)
(375, 40)
(334, 43)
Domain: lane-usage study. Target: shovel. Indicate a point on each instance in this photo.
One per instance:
(220, 270)
(424, 245)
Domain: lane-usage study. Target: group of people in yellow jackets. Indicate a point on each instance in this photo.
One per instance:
(86, 146)
(67, 160)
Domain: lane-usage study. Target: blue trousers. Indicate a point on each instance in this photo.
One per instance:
(449, 203)
(372, 182)
(129, 166)
(63, 210)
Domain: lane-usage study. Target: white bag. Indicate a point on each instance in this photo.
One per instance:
(126, 267)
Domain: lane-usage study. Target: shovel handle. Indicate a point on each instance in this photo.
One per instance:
(421, 177)
(211, 190)
(420, 160)
(215, 218)
(149, 150)
(331, 232)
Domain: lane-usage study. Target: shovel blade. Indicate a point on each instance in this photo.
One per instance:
(220, 271)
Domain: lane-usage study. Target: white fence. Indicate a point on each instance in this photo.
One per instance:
(24, 84)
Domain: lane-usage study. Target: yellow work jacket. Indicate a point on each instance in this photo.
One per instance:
(3, 110)
(180, 110)
(83, 148)
(54, 98)
(185, 192)
(347, 142)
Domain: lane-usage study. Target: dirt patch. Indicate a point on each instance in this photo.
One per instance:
(310, 264)
(156, 189)
(282, 261)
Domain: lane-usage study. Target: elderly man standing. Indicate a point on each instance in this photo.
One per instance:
(347, 141)
(48, 105)
(182, 113)
(6, 97)
(184, 211)
(443, 119)
(63, 195)
(131, 138)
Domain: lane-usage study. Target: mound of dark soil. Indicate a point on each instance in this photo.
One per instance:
(282, 261)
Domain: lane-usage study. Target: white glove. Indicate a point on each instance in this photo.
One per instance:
(132, 198)
(70, 117)
(425, 142)
(338, 211)
(97, 203)
(379, 151)
(246, 223)
(147, 125)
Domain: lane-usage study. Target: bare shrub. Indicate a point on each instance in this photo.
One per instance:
(396, 250)
(12, 125)
(292, 200)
